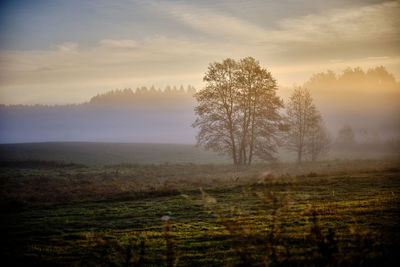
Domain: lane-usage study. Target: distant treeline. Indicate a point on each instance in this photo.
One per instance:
(363, 99)
(354, 77)
(142, 96)
(142, 115)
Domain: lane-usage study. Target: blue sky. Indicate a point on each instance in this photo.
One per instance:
(66, 51)
(38, 24)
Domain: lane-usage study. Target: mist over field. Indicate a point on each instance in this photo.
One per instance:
(126, 118)
(366, 100)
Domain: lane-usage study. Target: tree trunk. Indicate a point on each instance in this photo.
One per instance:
(299, 155)
(252, 138)
(234, 154)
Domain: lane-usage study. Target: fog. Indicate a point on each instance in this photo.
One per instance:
(367, 101)
(77, 123)
(118, 116)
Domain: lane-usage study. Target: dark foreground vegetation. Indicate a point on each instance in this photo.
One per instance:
(334, 213)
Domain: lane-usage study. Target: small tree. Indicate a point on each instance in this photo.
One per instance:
(319, 141)
(346, 136)
(302, 119)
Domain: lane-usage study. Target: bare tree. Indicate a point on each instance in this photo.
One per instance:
(319, 141)
(259, 107)
(238, 110)
(217, 109)
(346, 136)
(302, 118)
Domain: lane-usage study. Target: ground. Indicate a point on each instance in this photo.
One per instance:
(318, 214)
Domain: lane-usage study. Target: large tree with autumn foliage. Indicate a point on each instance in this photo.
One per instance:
(238, 111)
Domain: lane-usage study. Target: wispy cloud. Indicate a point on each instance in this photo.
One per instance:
(66, 68)
(118, 44)
(67, 47)
(293, 48)
(217, 24)
(367, 24)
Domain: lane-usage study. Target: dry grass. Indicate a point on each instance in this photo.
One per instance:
(51, 183)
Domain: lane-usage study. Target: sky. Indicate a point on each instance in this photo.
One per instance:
(60, 52)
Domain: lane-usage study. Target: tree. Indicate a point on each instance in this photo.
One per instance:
(259, 108)
(216, 110)
(238, 110)
(319, 141)
(346, 136)
(303, 119)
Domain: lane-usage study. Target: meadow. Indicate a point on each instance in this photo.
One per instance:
(97, 153)
(332, 213)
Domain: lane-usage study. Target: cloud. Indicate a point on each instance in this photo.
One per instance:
(292, 48)
(105, 52)
(118, 44)
(353, 24)
(67, 47)
(211, 22)
(66, 71)
(368, 24)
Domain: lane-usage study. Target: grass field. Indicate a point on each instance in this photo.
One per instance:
(91, 153)
(326, 214)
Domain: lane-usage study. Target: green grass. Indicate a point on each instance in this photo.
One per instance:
(333, 213)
